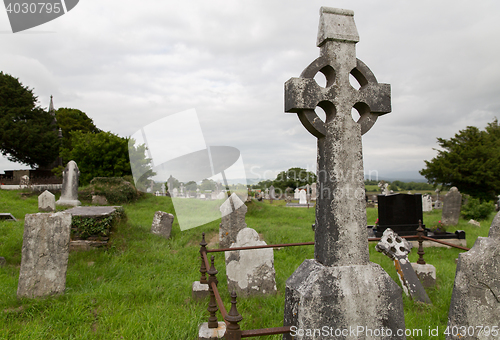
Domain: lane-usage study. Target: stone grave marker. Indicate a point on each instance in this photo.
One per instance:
(69, 192)
(397, 249)
(233, 220)
(302, 197)
(452, 203)
(426, 203)
(438, 204)
(475, 300)
(296, 194)
(46, 201)
(24, 181)
(272, 193)
(45, 252)
(162, 224)
(250, 272)
(314, 193)
(340, 288)
(267, 193)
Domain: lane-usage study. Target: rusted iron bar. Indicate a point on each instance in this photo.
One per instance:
(203, 267)
(445, 243)
(265, 331)
(259, 247)
(420, 252)
(212, 304)
(205, 259)
(219, 300)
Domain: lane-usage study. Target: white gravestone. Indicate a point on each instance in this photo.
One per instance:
(69, 192)
(302, 197)
(46, 202)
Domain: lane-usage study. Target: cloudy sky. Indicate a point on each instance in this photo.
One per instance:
(128, 64)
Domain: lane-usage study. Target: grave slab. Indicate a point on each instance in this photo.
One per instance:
(7, 217)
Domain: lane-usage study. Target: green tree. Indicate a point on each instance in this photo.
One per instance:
(207, 184)
(140, 165)
(28, 134)
(470, 161)
(102, 154)
(294, 178)
(70, 120)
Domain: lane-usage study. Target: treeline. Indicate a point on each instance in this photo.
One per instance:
(403, 186)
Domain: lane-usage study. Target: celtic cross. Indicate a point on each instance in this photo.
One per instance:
(340, 233)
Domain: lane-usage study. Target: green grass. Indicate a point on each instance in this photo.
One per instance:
(140, 287)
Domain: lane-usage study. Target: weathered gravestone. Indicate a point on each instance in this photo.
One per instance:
(400, 212)
(438, 204)
(452, 203)
(46, 201)
(475, 300)
(426, 203)
(250, 272)
(45, 252)
(302, 197)
(340, 288)
(99, 200)
(69, 192)
(162, 224)
(233, 212)
(314, 192)
(272, 193)
(296, 193)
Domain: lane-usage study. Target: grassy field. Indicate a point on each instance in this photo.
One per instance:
(140, 287)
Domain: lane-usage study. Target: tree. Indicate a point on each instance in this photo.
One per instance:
(102, 154)
(73, 120)
(140, 165)
(470, 161)
(28, 134)
(294, 178)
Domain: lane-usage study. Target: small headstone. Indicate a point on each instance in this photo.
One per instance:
(157, 193)
(267, 194)
(233, 212)
(99, 200)
(250, 272)
(24, 181)
(221, 195)
(475, 223)
(475, 300)
(296, 194)
(163, 189)
(45, 254)
(272, 193)
(69, 193)
(302, 197)
(397, 249)
(199, 291)
(426, 273)
(162, 224)
(452, 203)
(426, 203)
(46, 201)
(288, 199)
(314, 193)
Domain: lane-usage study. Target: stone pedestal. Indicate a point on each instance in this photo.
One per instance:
(343, 297)
(206, 333)
(426, 273)
(199, 290)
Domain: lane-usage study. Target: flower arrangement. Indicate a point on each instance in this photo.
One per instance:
(439, 228)
(376, 223)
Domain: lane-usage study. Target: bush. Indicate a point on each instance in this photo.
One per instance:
(476, 210)
(115, 189)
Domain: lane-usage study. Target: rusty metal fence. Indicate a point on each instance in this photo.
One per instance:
(233, 331)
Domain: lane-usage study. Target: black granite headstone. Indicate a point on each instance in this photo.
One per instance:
(400, 212)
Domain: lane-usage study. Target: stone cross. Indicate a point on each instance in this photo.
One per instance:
(340, 234)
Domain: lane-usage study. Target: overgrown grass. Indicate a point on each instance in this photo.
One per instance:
(140, 287)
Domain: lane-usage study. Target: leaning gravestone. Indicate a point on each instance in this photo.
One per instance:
(162, 224)
(475, 300)
(46, 201)
(69, 193)
(250, 272)
(452, 203)
(340, 288)
(233, 212)
(45, 252)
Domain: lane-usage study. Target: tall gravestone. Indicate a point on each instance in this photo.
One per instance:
(452, 203)
(272, 193)
(69, 192)
(340, 288)
(475, 300)
(45, 253)
(233, 212)
(314, 192)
